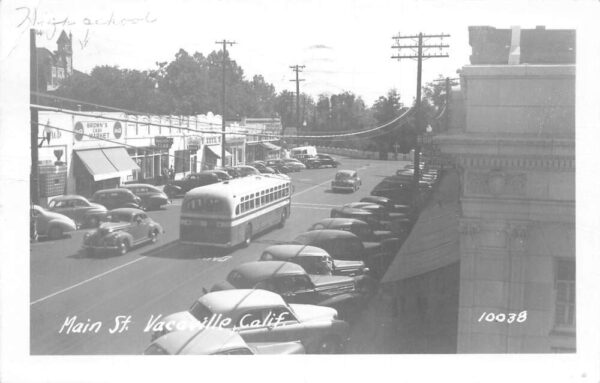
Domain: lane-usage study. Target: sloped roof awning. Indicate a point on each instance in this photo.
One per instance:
(106, 163)
(434, 240)
(269, 146)
(216, 150)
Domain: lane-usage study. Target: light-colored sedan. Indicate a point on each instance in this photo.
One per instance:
(217, 341)
(79, 209)
(261, 316)
(50, 224)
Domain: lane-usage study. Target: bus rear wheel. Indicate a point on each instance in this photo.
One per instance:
(247, 236)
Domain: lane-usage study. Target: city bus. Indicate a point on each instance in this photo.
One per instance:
(232, 212)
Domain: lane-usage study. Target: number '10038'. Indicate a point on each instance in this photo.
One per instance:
(501, 317)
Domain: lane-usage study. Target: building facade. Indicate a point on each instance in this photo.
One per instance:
(516, 155)
(89, 151)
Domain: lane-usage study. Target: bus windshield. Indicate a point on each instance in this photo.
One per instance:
(208, 205)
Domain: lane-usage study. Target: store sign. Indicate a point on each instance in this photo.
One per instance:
(194, 143)
(163, 142)
(97, 129)
(117, 130)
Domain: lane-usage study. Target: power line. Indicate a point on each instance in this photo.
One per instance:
(225, 43)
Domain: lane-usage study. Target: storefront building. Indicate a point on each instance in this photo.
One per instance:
(89, 151)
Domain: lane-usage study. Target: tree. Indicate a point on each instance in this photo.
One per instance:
(386, 109)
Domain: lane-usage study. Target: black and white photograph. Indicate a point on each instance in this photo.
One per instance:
(368, 184)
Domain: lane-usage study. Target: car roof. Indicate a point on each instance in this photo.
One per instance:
(206, 340)
(293, 250)
(227, 301)
(68, 196)
(371, 198)
(346, 171)
(317, 236)
(138, 185)
(364, 205)
(352, 210)
(112, 190)
(337, 222)
(259, 271)
(125, 210)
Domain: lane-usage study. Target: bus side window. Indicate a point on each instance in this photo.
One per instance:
(257, 202)
(251, 203)
(237, 210)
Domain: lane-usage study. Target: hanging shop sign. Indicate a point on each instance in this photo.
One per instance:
(163, 142)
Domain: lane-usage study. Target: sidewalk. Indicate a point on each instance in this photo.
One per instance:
(431, 245)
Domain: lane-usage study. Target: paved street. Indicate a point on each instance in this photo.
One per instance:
(157, 279)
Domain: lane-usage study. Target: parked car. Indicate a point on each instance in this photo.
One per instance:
(79, 209)
(278, 165)
(50, 224)
(356, 213)
(231, 171)
(346, 180)
(222, 175)
(217, 341)
(293, 164)
(326, 160)
(317, 261)
(344, 245)
(295, 285)
(124, 229)
(360, 228)
(262, 168)
(151, 196)
(191, 181)
(246, 170)
(399, 189)
(116, 198)
(388, 204)
(263, 316)
(310, 161)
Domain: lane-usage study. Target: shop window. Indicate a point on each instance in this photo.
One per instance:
(564, 315)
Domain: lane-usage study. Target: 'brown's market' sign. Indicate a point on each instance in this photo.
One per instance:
(103, 130)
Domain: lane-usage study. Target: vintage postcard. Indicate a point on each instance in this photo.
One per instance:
(389, 182)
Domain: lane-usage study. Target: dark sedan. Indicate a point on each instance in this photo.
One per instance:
(295, 285)
(345, 245)
(125, 229)
(151, 196)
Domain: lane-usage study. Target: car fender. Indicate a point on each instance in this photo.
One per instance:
(65, 226)
(174, 188)
(158, 227)
(123, 235)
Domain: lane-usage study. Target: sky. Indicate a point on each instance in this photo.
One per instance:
(344, 45)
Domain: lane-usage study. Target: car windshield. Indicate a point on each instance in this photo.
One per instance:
(200, 312)
(118, 217)
(343, 176)
(153, 189)
(238, 280)
(315, 265)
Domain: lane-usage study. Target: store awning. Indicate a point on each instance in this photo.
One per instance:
(270, 146)
(107, 163)
(216, 150)
(433, 242)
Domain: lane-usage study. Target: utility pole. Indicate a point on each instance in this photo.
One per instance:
(297, 69)
(420, 55)
(33, 80)
(224, 43)
(449, 82)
